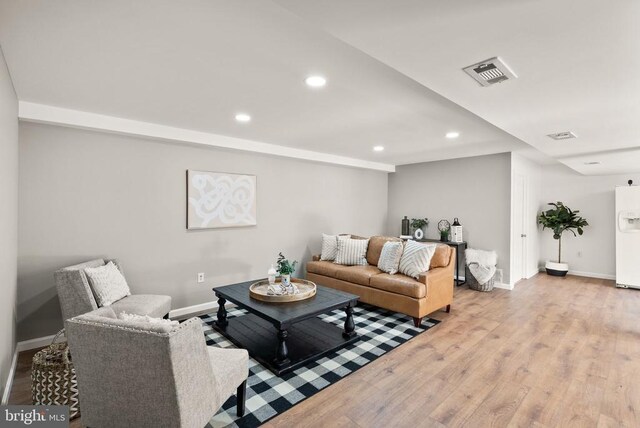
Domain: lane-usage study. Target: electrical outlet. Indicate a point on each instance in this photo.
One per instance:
(201, 277)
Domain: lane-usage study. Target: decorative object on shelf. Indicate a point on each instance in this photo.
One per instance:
(419, 225)
(444, 227)
(218, 200)
(560, 219)
(405, 226)
(285, 269)
(271, 275)
(300, 289)
(456, 231)
(53, 377)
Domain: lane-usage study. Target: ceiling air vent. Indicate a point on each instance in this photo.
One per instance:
(567, 135)
(490, 72)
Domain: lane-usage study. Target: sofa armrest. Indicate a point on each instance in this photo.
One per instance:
(315, 257)
(439, 281)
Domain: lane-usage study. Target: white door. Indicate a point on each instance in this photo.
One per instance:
(519, 228)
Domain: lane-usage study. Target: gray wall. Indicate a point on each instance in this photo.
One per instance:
(594, 253)
(85, 194)
(8, 219)
(477, 190)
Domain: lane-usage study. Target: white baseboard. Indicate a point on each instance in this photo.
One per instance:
(194, 309)
(592, 274)
(12, 372)
(38, 342)
(503, 286)
(587, 274)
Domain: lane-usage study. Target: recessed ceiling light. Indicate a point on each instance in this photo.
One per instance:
(592, 163)
(315, 81)
(378, 148)
(453, 134)
(243, 117)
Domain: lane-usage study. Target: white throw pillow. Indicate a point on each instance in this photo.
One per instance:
(330, 246)
(352, 252)
(390, 257)
(416, 258)
(107, 283)
(147, 319)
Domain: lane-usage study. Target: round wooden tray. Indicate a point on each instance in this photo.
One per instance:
(258, 291)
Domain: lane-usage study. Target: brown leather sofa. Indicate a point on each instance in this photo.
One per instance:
(400, 293)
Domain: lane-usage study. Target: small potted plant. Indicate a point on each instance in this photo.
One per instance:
(560, 219)
(419, 224)
(285, 269)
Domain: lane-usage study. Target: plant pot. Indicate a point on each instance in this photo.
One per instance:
(557, 269)
(285, 280)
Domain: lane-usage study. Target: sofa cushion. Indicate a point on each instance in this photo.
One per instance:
(358, 274)
(399, 284)
(440, 256)
(375, 247)
(144, 304)
(352, 252)
(323, 268)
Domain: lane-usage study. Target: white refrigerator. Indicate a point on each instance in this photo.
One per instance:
(628, 237)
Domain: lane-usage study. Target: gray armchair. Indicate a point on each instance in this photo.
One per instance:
(148, 375)
(76, 297)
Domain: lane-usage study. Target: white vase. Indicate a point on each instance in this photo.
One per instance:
(285, 280)
(556, 269)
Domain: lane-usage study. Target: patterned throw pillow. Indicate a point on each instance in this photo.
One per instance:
(330, 246)
(107, 283)
(352, 252)
(416, 258)
(390, 257)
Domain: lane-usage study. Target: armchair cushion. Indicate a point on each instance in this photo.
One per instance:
(144, 304)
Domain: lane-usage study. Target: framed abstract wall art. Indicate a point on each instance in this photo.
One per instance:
(220, 200)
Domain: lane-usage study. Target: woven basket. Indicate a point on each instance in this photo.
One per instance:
(53, 378)
(475, 285)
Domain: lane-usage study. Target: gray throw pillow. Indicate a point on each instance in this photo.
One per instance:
(107, 283)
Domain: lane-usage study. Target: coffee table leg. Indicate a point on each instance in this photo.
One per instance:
(349, 325)
(282, 353)
(222, 312)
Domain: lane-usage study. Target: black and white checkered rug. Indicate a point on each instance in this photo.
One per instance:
(269, 395)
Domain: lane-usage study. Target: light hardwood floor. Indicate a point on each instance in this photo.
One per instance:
(552, 352)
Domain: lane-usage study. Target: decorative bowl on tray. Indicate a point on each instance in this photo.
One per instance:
(300, 289)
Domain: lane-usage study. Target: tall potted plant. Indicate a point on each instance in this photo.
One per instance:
(560, 219)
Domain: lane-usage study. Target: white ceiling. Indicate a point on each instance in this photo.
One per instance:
(393, 69)
(577, 63)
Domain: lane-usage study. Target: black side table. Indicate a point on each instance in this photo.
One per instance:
(460, 247)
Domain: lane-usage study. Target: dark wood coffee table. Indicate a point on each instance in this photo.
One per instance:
(285, 336)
